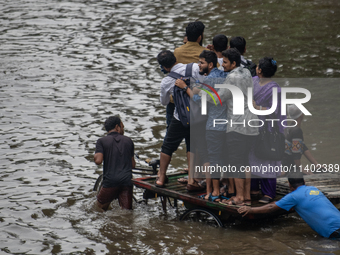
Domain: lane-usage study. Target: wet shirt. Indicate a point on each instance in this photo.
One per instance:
(118, 151)
(294, 147)
(314, 208)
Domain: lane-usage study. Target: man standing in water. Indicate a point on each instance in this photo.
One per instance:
(117, 152)
(310, 203)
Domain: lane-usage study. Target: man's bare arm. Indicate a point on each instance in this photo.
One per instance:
(269, 208)
(98, 158)
(133, 162)
(310, 157)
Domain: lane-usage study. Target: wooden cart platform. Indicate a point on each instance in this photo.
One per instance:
(329, 184)
(178, 191)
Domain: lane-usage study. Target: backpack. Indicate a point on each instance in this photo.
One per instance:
(250, 66)
(181, 98)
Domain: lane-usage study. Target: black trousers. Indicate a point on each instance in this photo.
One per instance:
(175, 135)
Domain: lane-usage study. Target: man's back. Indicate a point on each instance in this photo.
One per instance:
(117, 151)
(188, 53)
(218, 111)
(241, 78)
(314, 208)
(168, 83)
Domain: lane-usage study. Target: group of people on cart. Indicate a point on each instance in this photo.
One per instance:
(212, 143)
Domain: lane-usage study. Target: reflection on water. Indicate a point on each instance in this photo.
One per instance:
(68, 65)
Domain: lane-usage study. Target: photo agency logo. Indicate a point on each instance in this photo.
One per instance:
(239, 101)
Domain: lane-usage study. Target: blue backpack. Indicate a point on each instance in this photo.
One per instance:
(181, 98)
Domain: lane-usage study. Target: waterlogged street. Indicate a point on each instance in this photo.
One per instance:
(68, 65)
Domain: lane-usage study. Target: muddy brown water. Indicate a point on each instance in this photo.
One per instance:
(68, 65)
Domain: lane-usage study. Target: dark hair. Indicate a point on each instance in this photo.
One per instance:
(111, 123)
(166, 58)
(239, 43)
(268, 66)
(194, 30)
(220, 43)
(296, 180)
(233, 55)
(209, 56)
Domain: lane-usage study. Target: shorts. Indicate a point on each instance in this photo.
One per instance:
(198, 144)
(174, 136)
(216, 143)
(239, 146)
(170, 108)
(123, 193)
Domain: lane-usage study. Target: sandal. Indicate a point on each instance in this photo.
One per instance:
(224, 197)
(227, 195)
(224, 201)
(233, 203)
(265, 200)
(247, 202)
(213, 198)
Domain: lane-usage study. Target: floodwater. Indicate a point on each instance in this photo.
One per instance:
(68, 65)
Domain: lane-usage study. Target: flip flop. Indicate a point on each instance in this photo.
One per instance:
(213, 198)
(233, 203)
(224, 203)
(247, 202)
(224, 197)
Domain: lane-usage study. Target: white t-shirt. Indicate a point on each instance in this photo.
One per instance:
(168, 83)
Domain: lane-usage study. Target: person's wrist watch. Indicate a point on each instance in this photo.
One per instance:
(185, 88)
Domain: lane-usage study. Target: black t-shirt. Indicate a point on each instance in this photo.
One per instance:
(118, 151)
(295, 146)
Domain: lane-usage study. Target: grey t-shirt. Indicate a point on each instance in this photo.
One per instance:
(241, 78)
(118, 151)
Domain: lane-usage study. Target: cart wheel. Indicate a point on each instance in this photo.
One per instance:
(202, 215)
(98, 183)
